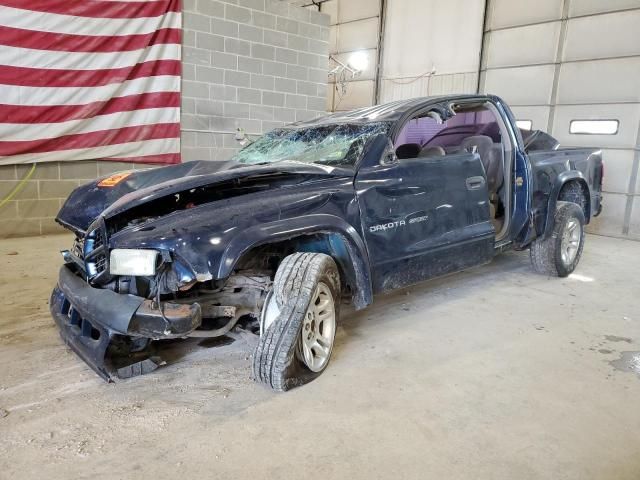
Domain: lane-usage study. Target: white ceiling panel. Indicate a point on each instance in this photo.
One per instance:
(531, 45)
(600, 81)
(331, 9)
(357, 9)
(628, 115)
(331, 89)
(359, 94)
(509, 13)
(403, 89)
(333, 39)
(399, 89)
(611, 220)
(618, 167)
(602, 36)
(587, 7)
(357, 35)
(634, 227)
(419, 35)
(453, 83)
(521, 85)
(539, 116)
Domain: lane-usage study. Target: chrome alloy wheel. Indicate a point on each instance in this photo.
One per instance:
(318, 329)
(570, 241)
(270, 312)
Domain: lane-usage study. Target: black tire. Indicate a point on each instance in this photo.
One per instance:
(546, 253)
(275, 359)
(572, 192)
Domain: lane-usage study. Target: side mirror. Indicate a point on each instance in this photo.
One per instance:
(389, 155)
(378, 151)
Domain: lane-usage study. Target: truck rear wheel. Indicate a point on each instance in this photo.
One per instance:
(298, 322)
(559, 253)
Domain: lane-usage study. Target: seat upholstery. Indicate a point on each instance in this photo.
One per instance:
(407, 150)
(436, 151)
(491, 130)
(491, 157)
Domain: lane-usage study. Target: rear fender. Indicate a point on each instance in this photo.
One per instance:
(343, 243)
(561, 181)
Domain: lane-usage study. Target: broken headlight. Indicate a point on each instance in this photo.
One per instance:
(133, 262)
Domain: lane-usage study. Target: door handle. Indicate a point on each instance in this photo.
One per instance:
(474, 183)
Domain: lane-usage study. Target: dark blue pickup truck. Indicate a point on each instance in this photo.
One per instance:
(307, 217)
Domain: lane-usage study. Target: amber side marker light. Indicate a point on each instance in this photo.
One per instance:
(114, 179)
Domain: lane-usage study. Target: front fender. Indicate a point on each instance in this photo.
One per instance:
(354, 258)
(212, 237)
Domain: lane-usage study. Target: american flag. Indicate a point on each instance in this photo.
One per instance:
(90, 79)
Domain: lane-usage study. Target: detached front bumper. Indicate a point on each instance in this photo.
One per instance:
(89, 318)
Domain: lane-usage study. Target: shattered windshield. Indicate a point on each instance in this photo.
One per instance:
(339, 144)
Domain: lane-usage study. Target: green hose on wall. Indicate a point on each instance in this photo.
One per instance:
(18, 187)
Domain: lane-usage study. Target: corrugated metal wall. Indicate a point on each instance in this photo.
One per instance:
(420, 37)
(556, 61)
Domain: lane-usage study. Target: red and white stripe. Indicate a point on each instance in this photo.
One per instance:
(90, 79)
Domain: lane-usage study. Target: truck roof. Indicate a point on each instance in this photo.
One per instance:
(386, 112)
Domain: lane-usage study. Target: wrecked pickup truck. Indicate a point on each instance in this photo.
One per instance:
(308, 217)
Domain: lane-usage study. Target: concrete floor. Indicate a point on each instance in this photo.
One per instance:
(495, 373)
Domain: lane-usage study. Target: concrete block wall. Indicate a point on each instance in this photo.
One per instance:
(33, 209)
(250, 64)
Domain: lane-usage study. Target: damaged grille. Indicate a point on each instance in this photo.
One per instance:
(78, 248)
(101, 263)
(98, 240)
(95, 252)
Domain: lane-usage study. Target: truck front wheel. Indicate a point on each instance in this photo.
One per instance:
(298, 322)
(559, 253)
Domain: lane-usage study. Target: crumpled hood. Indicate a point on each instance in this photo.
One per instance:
(88, 202)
